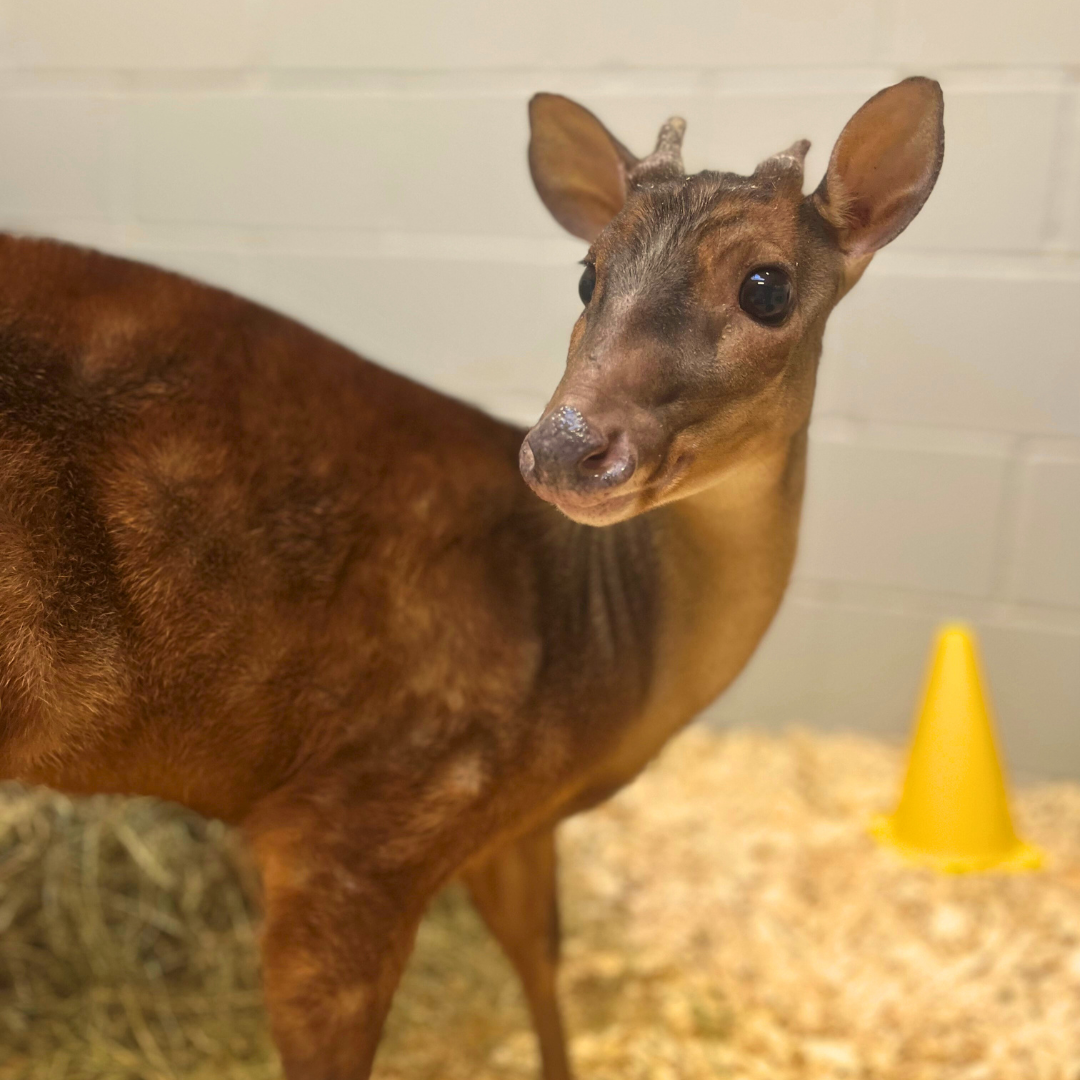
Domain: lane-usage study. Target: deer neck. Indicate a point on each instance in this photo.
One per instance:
(724, 555)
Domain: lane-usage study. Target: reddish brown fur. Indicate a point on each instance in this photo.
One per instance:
(244, 569)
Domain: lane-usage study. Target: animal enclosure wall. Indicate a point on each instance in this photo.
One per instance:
(361, 166)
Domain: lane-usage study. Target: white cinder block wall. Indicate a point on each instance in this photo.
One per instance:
(361, 166)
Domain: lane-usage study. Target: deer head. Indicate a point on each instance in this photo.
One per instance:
(705, 297)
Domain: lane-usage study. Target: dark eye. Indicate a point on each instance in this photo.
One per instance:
(766, 295)
(587, 283)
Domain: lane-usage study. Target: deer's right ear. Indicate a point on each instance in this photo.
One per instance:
(883, 166)
(579, 168)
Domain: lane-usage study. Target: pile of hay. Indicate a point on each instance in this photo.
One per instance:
(727, 916)
(127, 943)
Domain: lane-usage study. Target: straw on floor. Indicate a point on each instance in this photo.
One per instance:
(727, 916)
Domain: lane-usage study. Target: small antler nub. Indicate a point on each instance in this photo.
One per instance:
(665, 162)
(669, 141)
(787, 164)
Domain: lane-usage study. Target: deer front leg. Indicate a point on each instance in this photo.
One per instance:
(515, 891)
(335, 943)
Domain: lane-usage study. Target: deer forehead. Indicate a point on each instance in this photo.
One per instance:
(668, 233)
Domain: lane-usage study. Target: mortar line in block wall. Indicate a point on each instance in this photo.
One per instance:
(933, 605)
(839, 428)
(1008, 526)
(997, 265)
(1070, 180)
(538, 250)
(624, 81)
(362, 245)
(1063, 182)
(603, 81)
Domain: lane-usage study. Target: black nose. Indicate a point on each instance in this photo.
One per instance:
(565, 452)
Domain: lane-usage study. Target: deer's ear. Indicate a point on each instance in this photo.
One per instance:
(579, 168)
(883, 166)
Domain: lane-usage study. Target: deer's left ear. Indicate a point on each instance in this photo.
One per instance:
(579, 168)
(883, 166)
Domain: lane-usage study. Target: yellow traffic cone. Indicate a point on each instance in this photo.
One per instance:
(954, 808)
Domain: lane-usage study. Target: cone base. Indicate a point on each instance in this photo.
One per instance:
(1015, 859)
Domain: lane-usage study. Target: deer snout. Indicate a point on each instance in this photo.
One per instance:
(566, 454)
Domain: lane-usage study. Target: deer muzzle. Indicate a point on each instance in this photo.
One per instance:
(566, 458)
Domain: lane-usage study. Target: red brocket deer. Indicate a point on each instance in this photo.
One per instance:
(243, 569)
